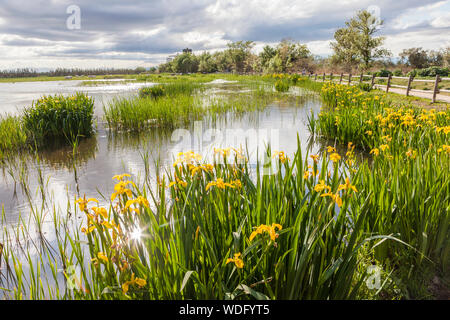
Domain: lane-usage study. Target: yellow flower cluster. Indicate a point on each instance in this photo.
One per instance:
(188, 157)
(133, 281)
(219, 183)
(334, 196)
(281, 155)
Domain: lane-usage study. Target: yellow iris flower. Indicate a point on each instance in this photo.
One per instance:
(271, 230)
(239, 263)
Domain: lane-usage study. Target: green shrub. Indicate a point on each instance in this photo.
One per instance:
(430, 72)
(433, 71)
(383, 73)
(412, 73)
(59, 117)
(398, 73)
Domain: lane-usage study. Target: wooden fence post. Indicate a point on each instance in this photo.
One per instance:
(408, 88)
(331, 77)
(315, 77)
(340, 79)
(436, 88)
(361, 78)
(388, 83)
(349, 78)
(373, 81)
(324, 77)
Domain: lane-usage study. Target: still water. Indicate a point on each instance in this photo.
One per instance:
(99, 158)
(52, 179)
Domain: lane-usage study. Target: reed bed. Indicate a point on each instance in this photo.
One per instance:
(50, 119)
(408, 175)
(308, 226)
(177, 103)
(59, 117)
(12, 136)
(217, 230)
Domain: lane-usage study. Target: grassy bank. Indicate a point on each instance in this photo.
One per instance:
(408, 175)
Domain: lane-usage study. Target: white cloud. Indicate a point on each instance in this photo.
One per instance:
(427, 39)
(321, 48)
(137, 32)
(441, 22)
(422, 15)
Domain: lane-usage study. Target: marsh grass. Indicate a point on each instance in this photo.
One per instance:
(174, 239)
(59, 117)
(12, 135)
(408, 175)
(188, 231)
(177, 103)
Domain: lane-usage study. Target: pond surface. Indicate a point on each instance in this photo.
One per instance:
(14, 96)
(106, 154)
(56, 177)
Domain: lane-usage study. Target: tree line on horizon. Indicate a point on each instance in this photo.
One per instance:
(59, 72)
(356, 48)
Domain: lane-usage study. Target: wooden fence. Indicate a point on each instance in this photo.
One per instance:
(361, 78)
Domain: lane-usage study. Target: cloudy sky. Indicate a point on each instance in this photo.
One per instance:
(112, 33)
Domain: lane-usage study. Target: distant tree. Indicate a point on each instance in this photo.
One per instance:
(345, 53)
(436, 58)
(357, 42)
(446, 56)
(415, 57)
(287, 56)
(206, 63)
(266, 55)
(185, 63)
(275, 65)
(222, 62)
(291, 53)
(140, 70)
(238, 53)
(165, 67)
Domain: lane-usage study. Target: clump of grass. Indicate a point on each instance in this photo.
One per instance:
(282, 86)
(152, 92)
(59, 117)
(12, 135)
(137, 114)
(171, 89)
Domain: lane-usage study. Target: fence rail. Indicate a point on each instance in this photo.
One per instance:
(348, 79)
